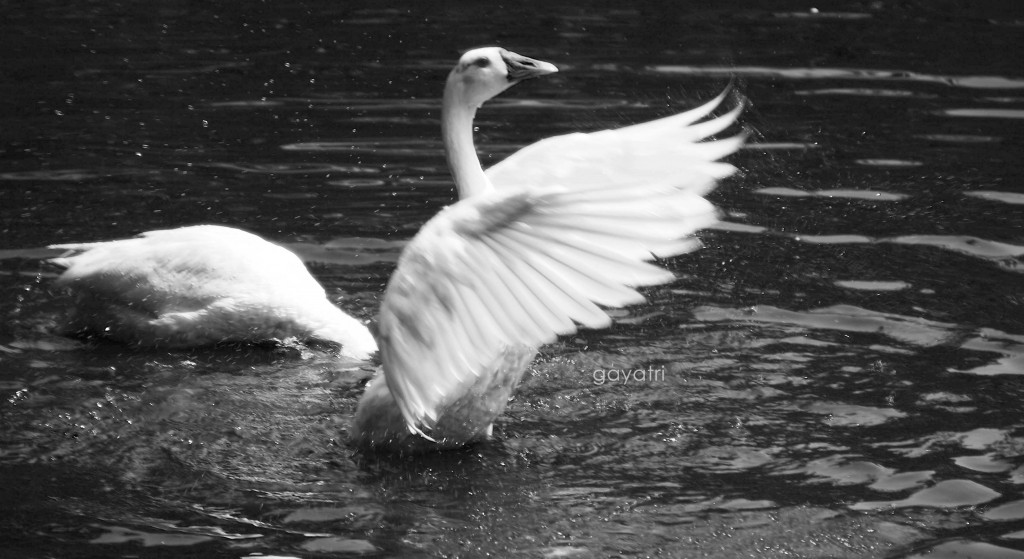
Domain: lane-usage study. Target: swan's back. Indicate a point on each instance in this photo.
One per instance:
(200, 285)
(181, 268)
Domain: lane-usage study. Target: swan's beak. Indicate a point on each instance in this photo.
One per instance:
(522, 68)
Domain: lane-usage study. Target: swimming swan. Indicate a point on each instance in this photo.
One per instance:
(200, 285)
(530, 251)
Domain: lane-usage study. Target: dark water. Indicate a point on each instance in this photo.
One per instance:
(839, 373)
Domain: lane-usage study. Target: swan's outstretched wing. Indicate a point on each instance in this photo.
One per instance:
(522, 266)
(665, 149)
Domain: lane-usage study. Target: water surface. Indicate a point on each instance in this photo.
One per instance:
(839, 370)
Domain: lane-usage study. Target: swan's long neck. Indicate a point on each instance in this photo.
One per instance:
(457, 132)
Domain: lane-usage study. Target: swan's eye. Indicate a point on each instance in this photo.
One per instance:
(482, 62)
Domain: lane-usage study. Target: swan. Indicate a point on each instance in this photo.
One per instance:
(533, 249)
(200, 285)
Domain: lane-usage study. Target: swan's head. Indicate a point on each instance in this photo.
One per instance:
(485, 72)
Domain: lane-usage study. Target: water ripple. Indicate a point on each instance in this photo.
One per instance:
(973, 82)
(945, 494)
(293, 168)
(816, 14)
(340, 545)
(247, 103)
(361, 104)
(996, 196)
(849, 415)
(873, 285)
(984, 113)
(346, 103)
(959, 138)
(765, 146)
(987, 463)
(963, 244)
(349, 251)
(990, 340)
(867, 92)
(832, 239)
(876, 162)
(395, 147)
(916, 331)
(846, 318)
(119, 535)
(834, 193)
(64, 175)
(30, 253)
(1010, 511)
(358, 183)
(964, 548)
(838, 470)
(739, 227)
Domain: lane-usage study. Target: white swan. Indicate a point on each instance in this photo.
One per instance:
(200, 285)
(531, 250)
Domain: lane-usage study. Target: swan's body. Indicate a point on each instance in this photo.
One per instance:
(201, 285)
(531, 250)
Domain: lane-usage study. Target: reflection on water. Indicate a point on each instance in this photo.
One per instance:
(841, 367)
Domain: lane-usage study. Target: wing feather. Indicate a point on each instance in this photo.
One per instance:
(535, 318)
(543, 299)
(651, 151)
(549, 284)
